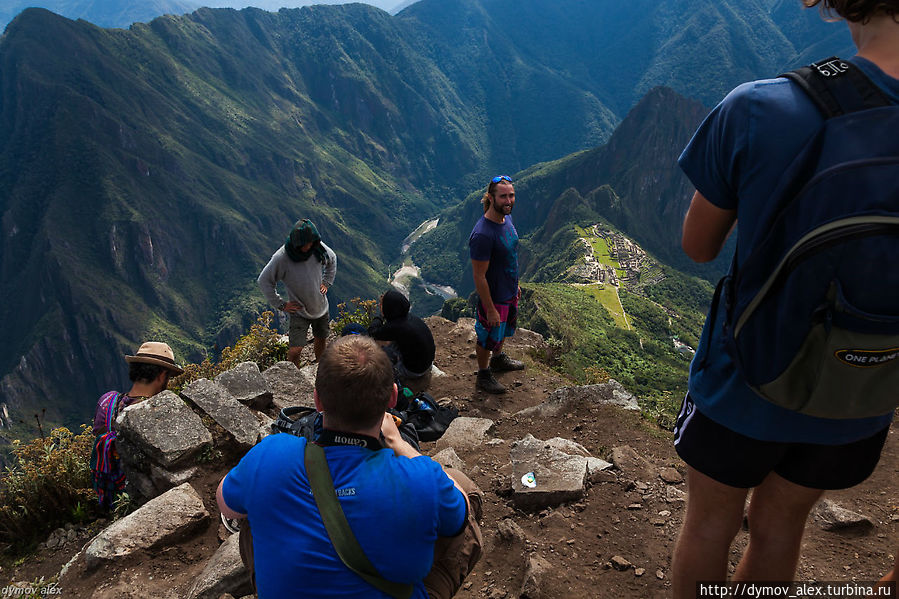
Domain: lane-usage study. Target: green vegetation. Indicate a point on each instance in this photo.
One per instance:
(456, 308)
(48, 484)
(607, 296)
(594, 347)
(356, 311)
(261, 344)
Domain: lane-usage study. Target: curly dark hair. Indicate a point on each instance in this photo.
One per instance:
(138, 371)
(857, 11)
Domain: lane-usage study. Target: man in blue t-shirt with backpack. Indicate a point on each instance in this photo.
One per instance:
(493, 247)
(415, 522)
(731, 437)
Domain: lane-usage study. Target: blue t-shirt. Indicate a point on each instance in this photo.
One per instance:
(396, 507)
(735, 160)
(498, 244)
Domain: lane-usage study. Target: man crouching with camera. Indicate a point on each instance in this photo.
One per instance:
(414, 524)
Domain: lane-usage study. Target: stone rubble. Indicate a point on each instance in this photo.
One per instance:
(164, 437)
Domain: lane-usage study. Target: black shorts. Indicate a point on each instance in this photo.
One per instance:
(740, 461)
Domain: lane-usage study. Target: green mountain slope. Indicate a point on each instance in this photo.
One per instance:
(146, 183)
(632, 181)
(146, 175)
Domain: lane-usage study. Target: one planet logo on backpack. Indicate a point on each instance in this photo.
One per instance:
(867, 358)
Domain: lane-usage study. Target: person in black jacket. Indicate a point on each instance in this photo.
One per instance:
(406, 339)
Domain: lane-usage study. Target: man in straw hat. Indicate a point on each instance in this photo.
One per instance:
(307, 282)
(149, 370)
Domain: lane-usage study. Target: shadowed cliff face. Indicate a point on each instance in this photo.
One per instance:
(146, 175)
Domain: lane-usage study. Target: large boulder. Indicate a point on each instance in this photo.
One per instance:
(224, 573)
(163, 429)
(448, 458)
(558, 477)
(165, 520)
(229, 413)
(246, 384)
(291, 386)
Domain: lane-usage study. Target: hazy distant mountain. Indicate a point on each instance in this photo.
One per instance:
(105, 13)
(402, 5)
(390, 6)
(147, 174)
(122, 13)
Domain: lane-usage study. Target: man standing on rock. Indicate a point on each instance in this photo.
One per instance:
(731, 438)
(493, 247)
(149, 371)
(415, 522)
(308, 267)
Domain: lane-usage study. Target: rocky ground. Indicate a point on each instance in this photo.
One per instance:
(614, 541)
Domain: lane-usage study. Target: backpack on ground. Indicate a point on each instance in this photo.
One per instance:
(812, 314)
(429, 418)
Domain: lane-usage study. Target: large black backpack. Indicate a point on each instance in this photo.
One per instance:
(812, 314)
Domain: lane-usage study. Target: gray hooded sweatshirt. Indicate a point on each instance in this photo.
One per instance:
(302, 279)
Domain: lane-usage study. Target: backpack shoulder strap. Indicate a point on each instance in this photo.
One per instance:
(838, 87)
(111, 410)
(342, 537)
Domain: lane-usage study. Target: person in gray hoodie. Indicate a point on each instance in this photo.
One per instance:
(307, 267)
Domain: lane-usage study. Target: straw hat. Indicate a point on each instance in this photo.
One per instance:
(155, 352)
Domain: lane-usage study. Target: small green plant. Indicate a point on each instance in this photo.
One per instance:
(209, 455)
(122, 505)
(555, 347)
(79, 513)
(359, 311)
(261, 344)
(48, 480)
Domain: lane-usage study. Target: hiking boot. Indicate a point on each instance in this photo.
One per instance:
(503, 363)
(487, 383)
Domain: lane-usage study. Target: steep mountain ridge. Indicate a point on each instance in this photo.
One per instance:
(632, 181)
(149, 191)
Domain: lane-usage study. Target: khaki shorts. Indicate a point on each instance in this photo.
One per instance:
(299, 328)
